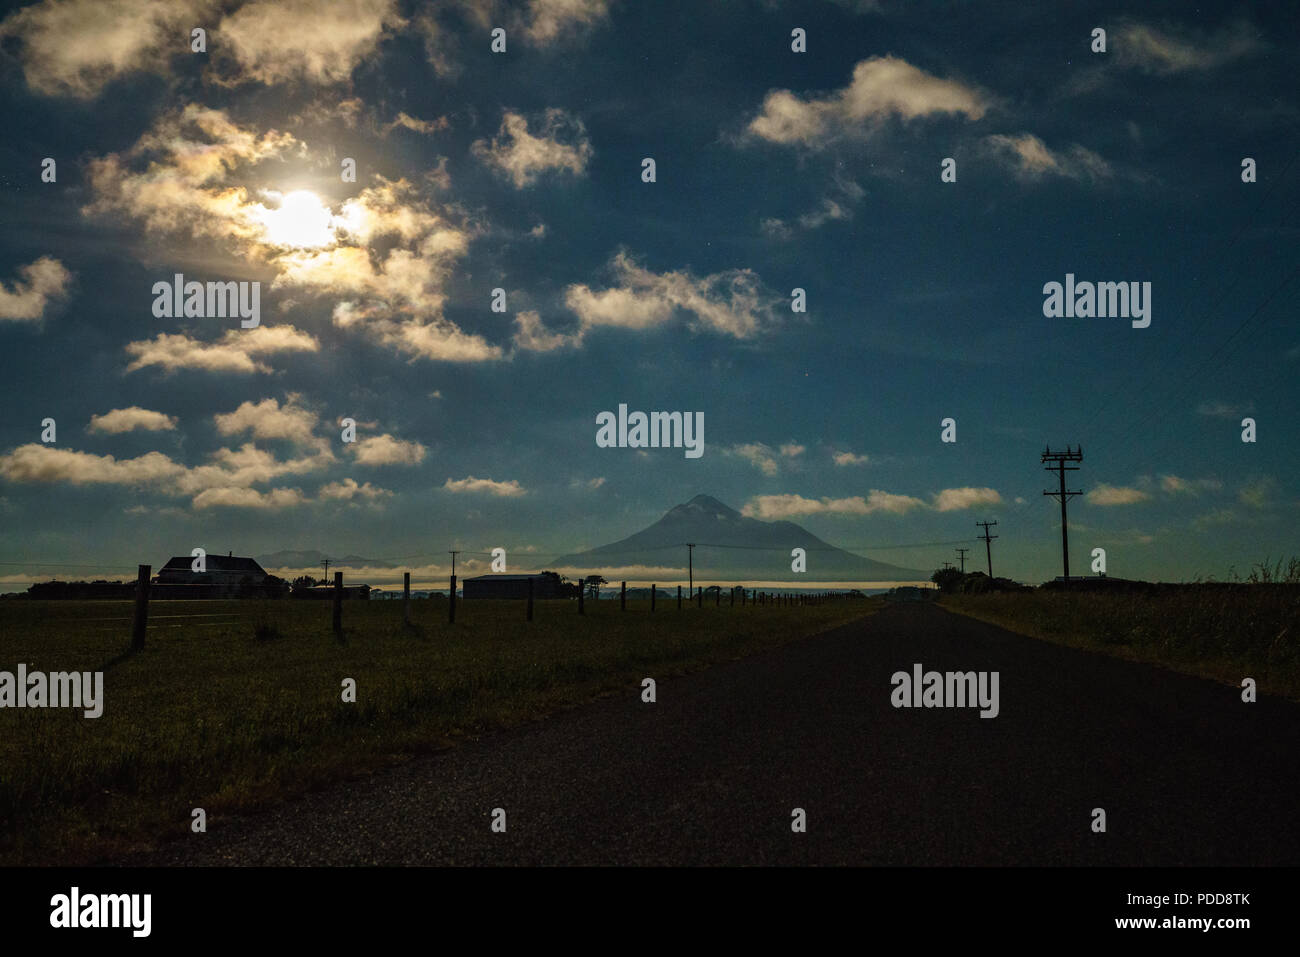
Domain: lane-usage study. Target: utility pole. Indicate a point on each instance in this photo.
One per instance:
(988, 549)
(690, 567)
(947, 565)
(961, 553)
(326, 565)
(1058, 460)
(453, 560)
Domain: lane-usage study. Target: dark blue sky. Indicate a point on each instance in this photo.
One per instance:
(522, 171)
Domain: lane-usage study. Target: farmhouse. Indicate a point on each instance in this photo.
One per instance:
(221, 570)
(545, 585)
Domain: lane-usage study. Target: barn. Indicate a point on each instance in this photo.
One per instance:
(545, 585)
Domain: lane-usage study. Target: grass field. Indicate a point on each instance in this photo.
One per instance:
(228, 713)
(1223, 632)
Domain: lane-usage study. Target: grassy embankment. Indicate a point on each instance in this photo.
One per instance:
(211, 716)
(1222, 632)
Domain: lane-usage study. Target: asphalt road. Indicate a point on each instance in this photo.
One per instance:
(1186, 772)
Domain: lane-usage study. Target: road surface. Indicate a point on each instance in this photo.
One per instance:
(710, 774)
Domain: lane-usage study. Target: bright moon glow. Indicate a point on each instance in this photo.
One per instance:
(301, 220)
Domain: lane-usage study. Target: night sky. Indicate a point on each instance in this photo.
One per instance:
(522, 171)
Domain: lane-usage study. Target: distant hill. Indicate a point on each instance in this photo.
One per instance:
(311, 558)
(736, 548)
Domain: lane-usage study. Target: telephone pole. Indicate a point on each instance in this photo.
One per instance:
(961, 553)
(1058, 460)
(988, 549)
(326, 565)
(690, 568)
(453, 555)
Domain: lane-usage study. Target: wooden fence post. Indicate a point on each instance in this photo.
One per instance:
(733, 596)
(622, 597)
(679, 597)
(582, 587)
(406, 598)
(141, 620)
(717, 599)
(530, 598)
(652, 597)
(451, 605)
(338, 603)
(699, 597)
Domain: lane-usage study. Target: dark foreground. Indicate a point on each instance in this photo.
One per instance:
(1186, 772)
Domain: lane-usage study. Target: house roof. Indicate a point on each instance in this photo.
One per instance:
(216, 563)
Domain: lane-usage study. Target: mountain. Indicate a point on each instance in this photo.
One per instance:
(732, 547)
(311, 558)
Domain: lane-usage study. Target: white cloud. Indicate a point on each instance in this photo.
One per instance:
(233, 352)
(789, 506)
(761, 456)
(269, 420)
(532, 335)
(43, 281)
(955, 499)
(882, 87)
(793, 450)
(522, 156)
(277, 41)
(248, 498)
(1167, 50)
(733, 302)
(387, 450)
(76, 47)
(510, 489)
(348, 489)
(1258, 493)
(1115, 495)
(130, 418)
(551, 20)
(1176, 485)
(1225, 410)
(848, 458)
(1030, 158)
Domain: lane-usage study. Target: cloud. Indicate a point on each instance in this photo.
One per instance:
(551, 20)
(831, 209)
(1167, 50)
(233, 352)
(131, 418)
(1258, 493)
(1029, 158)
(42, 282)
(228, 468)
(269, 420)
(348, 489)
(1225, 410)
(248, 498)
(385, 255)
(1176, 485)
(406, 121)
(955, 499)
(522, 157)
(278, 41)
(587, 483)
(532, 335)
(387, 450)
(1113, 495)
(76, 47)
(733, 302)
(881, 88)
(792, 450)
(789, 506)
(761, 456)
(848, 458)
(510, 489)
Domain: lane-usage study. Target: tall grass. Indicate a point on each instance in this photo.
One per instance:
(1223, 631)
(245, 711)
